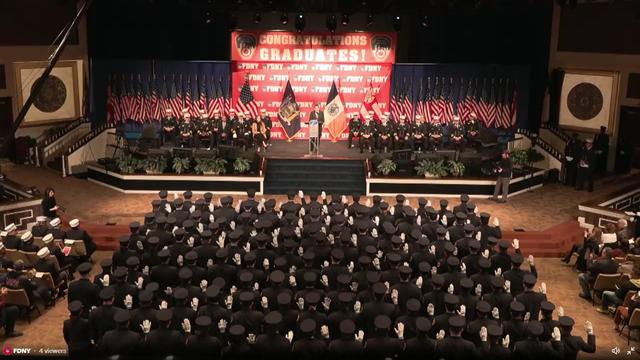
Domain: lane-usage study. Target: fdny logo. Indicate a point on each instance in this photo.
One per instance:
(246, 45)
(333, 109)
(380, 47)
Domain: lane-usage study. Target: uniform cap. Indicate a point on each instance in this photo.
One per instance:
(43, 253)
(413, 305)
(180, 294)
(347, 327)
(203, 321)
(451, 299)
(75, 306)
(121, 317)
(55, 222)
(535, 328)
(212, 292)
(164, 315)
(308, 326)
(107, 293)
(423, 324)
(26, 236)
(312, 298)
(547, 306)
(74, 223)
(145, 296)
(566, 321)
(277, 276)
(382, 322)
(516, 307)
(483, 307)
(273, 318)
(466, 283)
(85, 268)
(246, 297)
(494, 330)
(47, 238)
(529, 279)
(456, 322)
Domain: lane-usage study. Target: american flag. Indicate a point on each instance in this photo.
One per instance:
(202, 88)
(175, 97)
(395, 101)
(218, 100)
(193, 98)
(113, 106)
(156, 102)
(211, 95)
(407, 101)
(227, 99)
(246, 102)
(138, 102)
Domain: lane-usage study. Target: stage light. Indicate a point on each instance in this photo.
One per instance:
(397, 24)
(208, 17)
(257, 18)
(369, 19)
(284, 18)
(331, 23)
(425, 21)
(344, 19)
(301, 22)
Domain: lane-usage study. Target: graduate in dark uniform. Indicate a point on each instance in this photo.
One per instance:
(355, 129)
(457, 138)
(40, 229)
(454, 346)
(169, 127)
(164, 340)
(268, 123)
(571, 153)
(586, 166)
(435, 133)
(77, 332)
(201, 345)
(120, 341)
(601, 149)
(574, 344)
(472, 130)
(76, 233)
(203, 130)
(532, 348)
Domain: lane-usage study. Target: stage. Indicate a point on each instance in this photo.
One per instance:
(297, 149)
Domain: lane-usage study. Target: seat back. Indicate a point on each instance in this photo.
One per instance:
(627, 298)
(46, 279)
(606, 282)
(54, 261)
(634, 320)
(37, 240)
(18, 297)
(30, 258)
(77, 247)
(13, 255)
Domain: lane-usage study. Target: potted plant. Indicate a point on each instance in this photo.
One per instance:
(154, 165)
(241, 165)
(455, 168)
(519, 157)
(127, 164)
(181, 164)
(210, 166)
(386, 167)
(428, 168)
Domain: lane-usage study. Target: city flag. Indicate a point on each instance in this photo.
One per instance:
(335, 117)
(370, 103)
(289, 112)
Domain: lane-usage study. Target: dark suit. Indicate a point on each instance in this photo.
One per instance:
(203, 347)
(454, 348)
(319, 115)
(77, 334)
(122, 342)
(86, 292)
(575, 344)
(535, 349)
(163, 342)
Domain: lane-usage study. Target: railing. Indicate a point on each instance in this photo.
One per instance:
(88, 137)
(79, 144)
(58, 142)
(556, 131)
(536, 140)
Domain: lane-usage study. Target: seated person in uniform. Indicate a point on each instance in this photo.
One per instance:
(402, 134)
(368, 134)
(186, 130)
(385, 134)
(355, 129)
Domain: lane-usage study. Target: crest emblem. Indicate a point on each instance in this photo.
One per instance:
(380, 47)
(333, 109)
(246, 45)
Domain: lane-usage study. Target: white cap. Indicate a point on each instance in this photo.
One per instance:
(169, 110)
(371, 112)
(232, 110)
(368, 117)
(185, 110)
(43, 253)
(74, 223)
(41, 218)
(26, 236)
(47, 238)
(402, 117)
(216, 111)
(418, 116)
(247, 113)
(263, 111)
(55, 222)
(456, 117)
(436, 116)
(472, 114)
(11, 227)
(386, 113)
(240, 114)
(201, 111)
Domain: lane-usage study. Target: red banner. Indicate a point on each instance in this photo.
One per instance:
(311, 61)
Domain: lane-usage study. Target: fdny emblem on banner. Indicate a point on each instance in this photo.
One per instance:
(246, 45)
(380, 47)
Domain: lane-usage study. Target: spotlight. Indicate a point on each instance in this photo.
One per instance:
(331, 23)
(397, 24)
(425, 21)
(301, 22)
(284, 18)
(369, 19)
(207, 17)
(257, 18)
(344, 19)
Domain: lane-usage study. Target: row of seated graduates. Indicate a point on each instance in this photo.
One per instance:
(272, 283)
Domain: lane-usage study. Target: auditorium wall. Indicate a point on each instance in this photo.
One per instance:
(23, 46)
(569, 50)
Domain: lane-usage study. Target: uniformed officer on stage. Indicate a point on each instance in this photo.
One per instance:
(472, 129)
(259, 131)
(169, 127)
(456, 134)
(420, 133)
(203, 129)
(268, 123)
(241, 131)
(402, 133)
(186, 130)
(368, 134)
(218, 133)
(435, 132)
(384, 138)
(355, 129)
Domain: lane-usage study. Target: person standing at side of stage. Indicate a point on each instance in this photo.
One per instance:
(504, 170)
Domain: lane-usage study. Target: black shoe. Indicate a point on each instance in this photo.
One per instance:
(13, 334)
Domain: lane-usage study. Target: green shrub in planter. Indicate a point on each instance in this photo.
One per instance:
(386, 167)
(154, 164)
(181, 164)
(519, 157)
(211, 166)
(455, 168)
(241, 165)
(428, 168)
(127, 164)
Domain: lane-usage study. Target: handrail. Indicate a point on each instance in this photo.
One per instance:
(544, 145)
(63, 131)
(88, 137)
(556, 131)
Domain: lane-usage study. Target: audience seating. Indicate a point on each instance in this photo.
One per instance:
(77, 247)
(604, 282)
(20, 298)
(633, 324)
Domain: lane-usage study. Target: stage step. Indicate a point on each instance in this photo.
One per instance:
(332, 176)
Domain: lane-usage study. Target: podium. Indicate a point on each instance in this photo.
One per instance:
(314, 139)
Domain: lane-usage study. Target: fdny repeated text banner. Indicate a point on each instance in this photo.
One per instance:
(311, 62)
